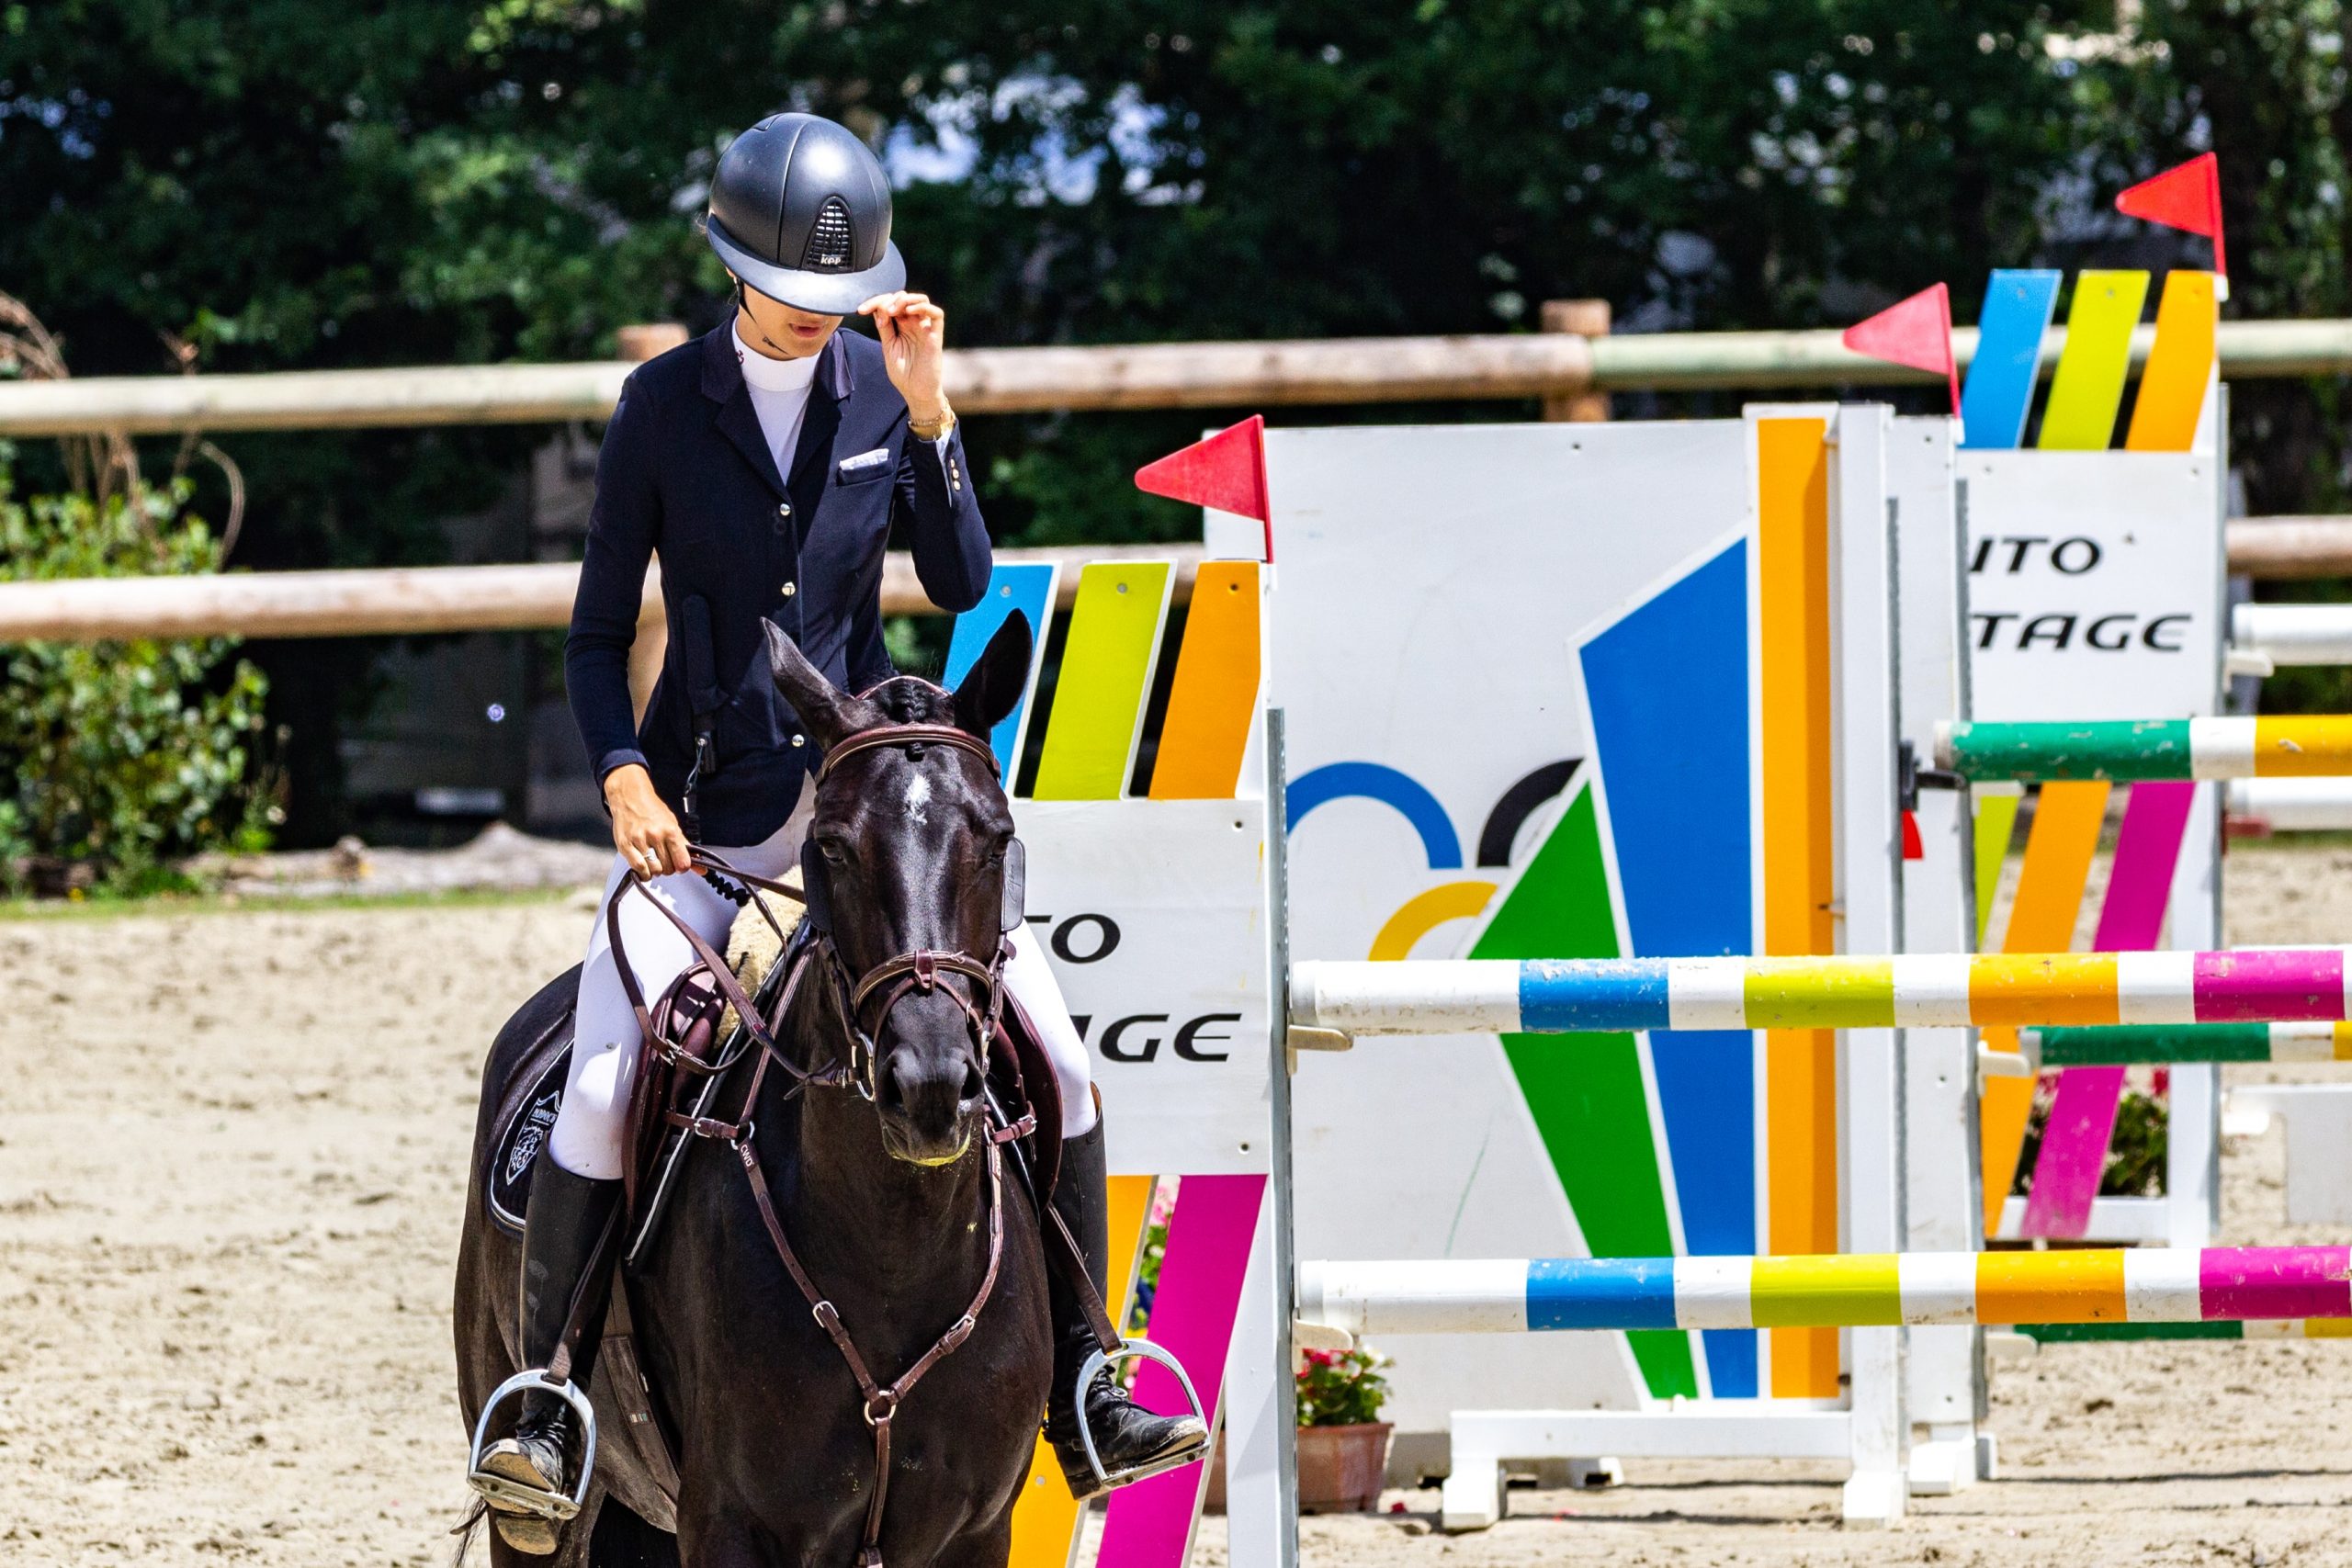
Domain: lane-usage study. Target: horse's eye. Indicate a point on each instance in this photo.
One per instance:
(834, 855)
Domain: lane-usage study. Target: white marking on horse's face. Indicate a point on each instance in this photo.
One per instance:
(917, 798)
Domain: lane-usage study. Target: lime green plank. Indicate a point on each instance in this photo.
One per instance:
(1106, 670)
(1996, 821)
(2087, 387)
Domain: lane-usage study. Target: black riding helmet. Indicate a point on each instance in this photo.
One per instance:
(800, 210)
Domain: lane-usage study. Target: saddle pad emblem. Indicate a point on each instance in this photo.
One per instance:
(537, 1123)
(521, 1139)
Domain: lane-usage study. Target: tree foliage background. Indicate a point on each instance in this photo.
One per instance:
(304, 183)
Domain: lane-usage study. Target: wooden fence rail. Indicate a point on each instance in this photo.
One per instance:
(389, 600)
(1104, 376)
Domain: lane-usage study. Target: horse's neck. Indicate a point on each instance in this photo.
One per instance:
(857, 1204)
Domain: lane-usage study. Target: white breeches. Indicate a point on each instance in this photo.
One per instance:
(589, 1132)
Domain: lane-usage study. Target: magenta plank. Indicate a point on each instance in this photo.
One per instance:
(2082, 1113)
(1151, 1523)
(2147, 853)
(2275, 1282)
(2273, 987)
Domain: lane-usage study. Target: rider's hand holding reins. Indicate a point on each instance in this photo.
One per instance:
(645, 831)
(914, 342)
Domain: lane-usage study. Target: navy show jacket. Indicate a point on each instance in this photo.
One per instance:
(686, 474)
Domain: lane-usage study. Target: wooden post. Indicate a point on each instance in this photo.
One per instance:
(644, 340)
(1588, 318)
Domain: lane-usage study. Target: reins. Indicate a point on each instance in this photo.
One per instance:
(896, 978)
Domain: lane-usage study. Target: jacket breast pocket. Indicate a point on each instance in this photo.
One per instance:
(866, 467)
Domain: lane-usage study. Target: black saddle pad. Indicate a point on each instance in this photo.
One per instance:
(529, 1122)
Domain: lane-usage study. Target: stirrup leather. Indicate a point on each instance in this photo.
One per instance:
(509, 1495)
(1133, 1350)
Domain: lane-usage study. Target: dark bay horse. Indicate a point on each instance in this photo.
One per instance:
(886, 1201)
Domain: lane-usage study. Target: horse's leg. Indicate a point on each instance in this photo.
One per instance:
(988, 1547)
(717, 1536)
(622, 1539)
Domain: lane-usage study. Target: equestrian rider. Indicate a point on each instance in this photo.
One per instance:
(767, 464)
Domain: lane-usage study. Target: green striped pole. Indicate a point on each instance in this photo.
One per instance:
(2279, 746)
(2268, 1328)
(2128, 1045)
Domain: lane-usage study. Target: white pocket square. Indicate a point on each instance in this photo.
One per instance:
(873, 459)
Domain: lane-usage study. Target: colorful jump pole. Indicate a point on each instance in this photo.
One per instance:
(1922, 991)
(2286, 746)
(1521, 1295)
(2124, 1046)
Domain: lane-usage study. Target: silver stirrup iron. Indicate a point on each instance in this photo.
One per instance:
(537, 1500)
(1133, 1350)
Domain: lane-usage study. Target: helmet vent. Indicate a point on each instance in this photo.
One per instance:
(828, 239)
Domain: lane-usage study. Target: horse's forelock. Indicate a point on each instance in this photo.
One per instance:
(910, 701)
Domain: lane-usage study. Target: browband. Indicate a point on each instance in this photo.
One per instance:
(908, 735)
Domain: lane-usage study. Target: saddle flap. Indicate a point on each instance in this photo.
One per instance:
(1035, 1085)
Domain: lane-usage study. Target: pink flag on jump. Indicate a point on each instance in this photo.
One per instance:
(2188, 197)
(1226, 470)
(1915, 332)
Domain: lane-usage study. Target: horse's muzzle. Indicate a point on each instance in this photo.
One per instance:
(930, 1104)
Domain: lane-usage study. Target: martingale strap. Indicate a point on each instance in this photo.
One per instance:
(881, 1404)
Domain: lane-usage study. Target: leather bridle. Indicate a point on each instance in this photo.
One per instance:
(920, 971)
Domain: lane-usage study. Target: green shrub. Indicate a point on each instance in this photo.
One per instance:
(117, 758)
(1340, 1388)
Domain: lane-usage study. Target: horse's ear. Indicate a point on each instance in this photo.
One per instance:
(829, 712)
(992, 688)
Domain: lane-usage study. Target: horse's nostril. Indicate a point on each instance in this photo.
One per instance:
(894, 1095)
(971, 1082)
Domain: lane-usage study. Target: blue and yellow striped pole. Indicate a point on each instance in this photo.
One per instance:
(1521, 1295)
(1920, 991)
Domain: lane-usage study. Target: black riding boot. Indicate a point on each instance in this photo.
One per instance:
(1131, 1441)
(562, 1226)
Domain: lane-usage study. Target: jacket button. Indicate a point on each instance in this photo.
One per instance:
(790, 589)
(783, 508)
(799, 740)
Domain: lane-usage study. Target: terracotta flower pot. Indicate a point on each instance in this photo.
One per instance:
(1340, 1468)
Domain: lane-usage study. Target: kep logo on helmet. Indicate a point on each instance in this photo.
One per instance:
(800, 210)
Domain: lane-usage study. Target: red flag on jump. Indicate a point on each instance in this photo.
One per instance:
(2187, 198)
(1917, 332)
(1226, 470)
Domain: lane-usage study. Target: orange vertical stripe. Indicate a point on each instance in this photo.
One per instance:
(1215, 695)
(2067, 822)
(1801, 1064)
(1045, 1519)
(2180, 367)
